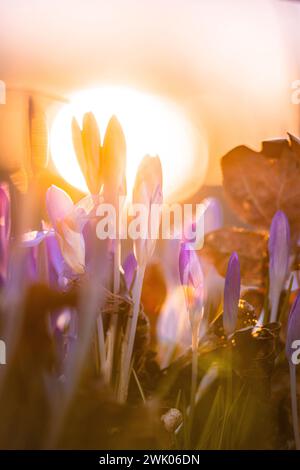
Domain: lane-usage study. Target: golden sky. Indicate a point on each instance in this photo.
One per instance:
(228, 63)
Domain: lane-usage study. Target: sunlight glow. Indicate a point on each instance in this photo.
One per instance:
(151, 126)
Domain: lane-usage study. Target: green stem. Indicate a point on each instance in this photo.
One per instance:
(194, 378)
(274, 309)
(101, 342)
(285, 305)
(139, 386)
(130, 336)
(193, 384)
(112, 332)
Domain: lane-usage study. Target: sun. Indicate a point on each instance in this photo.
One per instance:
(152, 125)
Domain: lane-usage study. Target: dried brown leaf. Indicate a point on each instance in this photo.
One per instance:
(250, 246)
(257, 184)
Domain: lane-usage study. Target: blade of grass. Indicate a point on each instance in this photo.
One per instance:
(139, 385)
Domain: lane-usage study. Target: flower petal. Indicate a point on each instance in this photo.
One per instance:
(191, 276)
(59, 204)
(279, 246)
(279, 251)
(73, 248)
(129, 267)
(184, 259)
(34, 238)
(92, 152)
(149, 173)
(78, 146)
(148, 191)
(293, 329)
(114, 161)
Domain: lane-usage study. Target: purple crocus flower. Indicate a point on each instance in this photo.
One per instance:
(68, 221)
(43, 251)
(293, 329)
(292, 352)
(42, 256)
(148, 191)
(279, 250)
(31, 242)
(231, 294)
(191, 277)
(190, 270)
(34, 238)
(129, 267)
(4, 229)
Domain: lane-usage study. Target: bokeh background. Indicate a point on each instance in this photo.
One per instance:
(229, 64)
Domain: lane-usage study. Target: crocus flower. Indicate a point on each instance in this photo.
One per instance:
(148, 192)
(4, 229)
(173, 328)
(114, 162)
(279, 249)
(191, 277)
(292, 349)
(68, 221)
(32, 243)
(129, 267)
(88, 151)
(231, 294)
(53, 263)
(293, 329)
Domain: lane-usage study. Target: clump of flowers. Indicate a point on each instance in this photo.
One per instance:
(82, 341)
